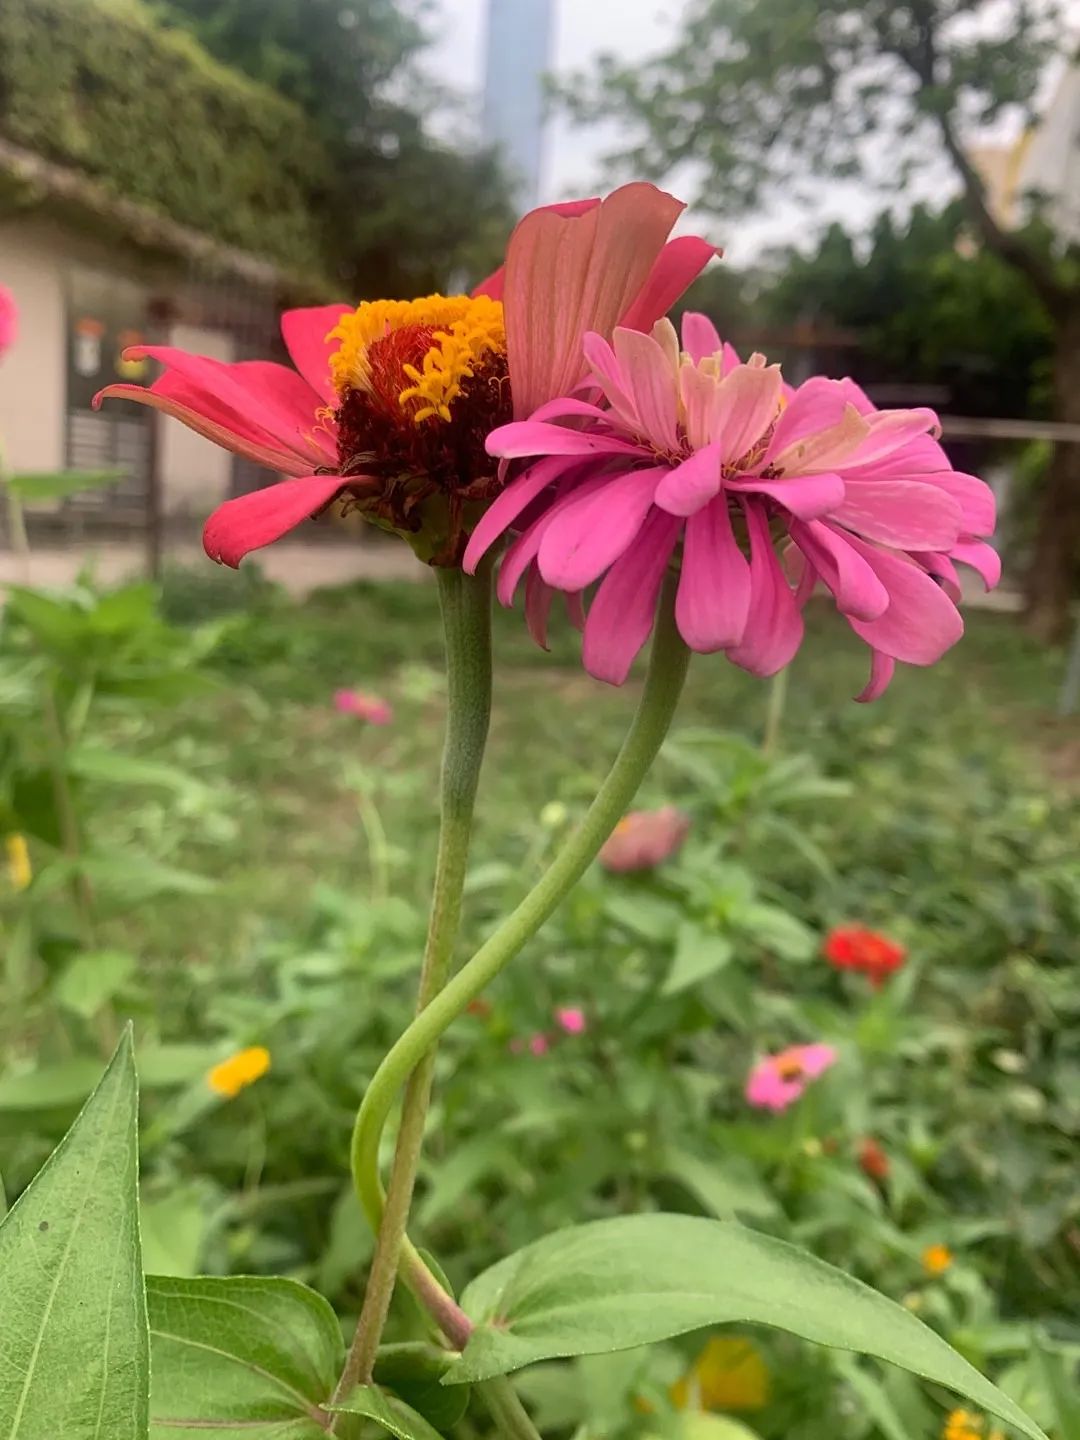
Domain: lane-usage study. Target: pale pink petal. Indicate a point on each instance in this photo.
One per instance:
(857, 396)
(731, 360)
(698, 390)
(818, 404)
(774, 626)
(978, 509)
(592, 531)
(567, 275)
(826, 449)
(746, 405)
(689, 486)
(921, 622)
(815, 1059)
(495, 283)
(523, 438)
(853, 581)
(699, 336)
(889, 431)
(251, 521)
(305, 334)
(982, 558)
(881, 674)
(507, 506)
(605, 368)
(804, 496)
(652, 383)
(714, 588)
(622, 613)
(677, 266)
(903, 514)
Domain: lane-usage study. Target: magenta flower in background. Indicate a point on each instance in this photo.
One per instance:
(644, 838)
(9, 320)
(571, 1019)
(770, 490)
(539, 1045)
(778, 1080)
(371, 708)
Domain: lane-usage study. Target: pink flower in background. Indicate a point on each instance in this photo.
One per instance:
(371, 708)
(770, 490)
(643, 838)
(539, 1045)
(571, 1019)
(383, 407)
(778, 1080)
(9, 320)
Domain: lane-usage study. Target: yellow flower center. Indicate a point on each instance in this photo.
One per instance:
(420, 352)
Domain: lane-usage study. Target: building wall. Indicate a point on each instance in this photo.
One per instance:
(195, 473)
(33, 262)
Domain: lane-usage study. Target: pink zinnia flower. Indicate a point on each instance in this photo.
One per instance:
(689, 444)
(539, 1045)
(778, 1080)
(9, 320)
(371, 708)
(571, 1019)
(389, 404)
(644, 838)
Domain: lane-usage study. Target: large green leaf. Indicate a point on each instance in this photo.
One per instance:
(72, 1309)
(637, 1279)
(259, 1356)
(388, 1411)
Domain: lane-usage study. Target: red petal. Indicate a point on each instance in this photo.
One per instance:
(251, 521)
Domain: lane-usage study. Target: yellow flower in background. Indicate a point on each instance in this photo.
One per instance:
(968, 1425)
(936, 1259)
(729, 1374)
(239, 1071)
(20, 871)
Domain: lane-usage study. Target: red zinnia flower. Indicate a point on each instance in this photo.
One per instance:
(873, 1161)
(853, 947)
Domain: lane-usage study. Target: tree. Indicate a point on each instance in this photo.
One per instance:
(409, 211)
(755, 94)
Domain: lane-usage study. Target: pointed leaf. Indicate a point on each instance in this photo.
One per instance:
(388, 1411)
(72, 1309)
(259, 1356)
(637, 1279)
(697, 956)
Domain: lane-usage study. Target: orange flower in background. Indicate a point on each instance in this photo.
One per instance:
(729, 1374)
(643, 838)
(20, 871)
(868, 952)
(968, 1425)
(873, 1161)
(936, 1259)
(239, 1071)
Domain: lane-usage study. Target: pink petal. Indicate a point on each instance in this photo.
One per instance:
(566, 275)
(881, 674)
(698, 390)
(747, 401)
(689, 486)
(774, 626)
(714, 588)
(978, 509)
(699, 336)
(889, 431)
(251, 521)
(522, 438)
(592, 531)
(507, 506)
(621, 616)
(824, 449)
(815, 1059)
(652, 384)
(921, 622)
(538, 598)
(524, 550)
(982, 558)
(817, 405)
(304, 332)
(495, 283)
(677, 266)
(804, 496)
(853, 581)
(857, 396)
(903, 514)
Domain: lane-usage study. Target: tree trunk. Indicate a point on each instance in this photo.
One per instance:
(1056, 562)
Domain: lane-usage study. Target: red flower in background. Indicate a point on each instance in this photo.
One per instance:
(873, 1161)
(853, 947)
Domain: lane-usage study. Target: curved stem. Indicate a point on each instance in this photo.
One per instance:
(466, 611)
(663, 686)
(509, 1414)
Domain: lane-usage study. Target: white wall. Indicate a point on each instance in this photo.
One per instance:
(33, 262)
(195, 473)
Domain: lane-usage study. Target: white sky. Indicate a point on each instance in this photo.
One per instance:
(632, 30)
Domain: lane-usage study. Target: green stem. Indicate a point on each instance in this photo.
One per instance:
(775, 713)
(510, 1416)
(466, 611)
(663, 686)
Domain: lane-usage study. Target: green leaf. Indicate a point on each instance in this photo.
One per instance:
(92, 763)
(413, 1370)
(172, 1231)
(706, 1427)
(259, 1356)
(725, 1189)
(637, 1279)
(61, 483)
(60, 1086)
(697, 956)
(774, 929)
(92, 979)
(72, 1309)
(388, 1411)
